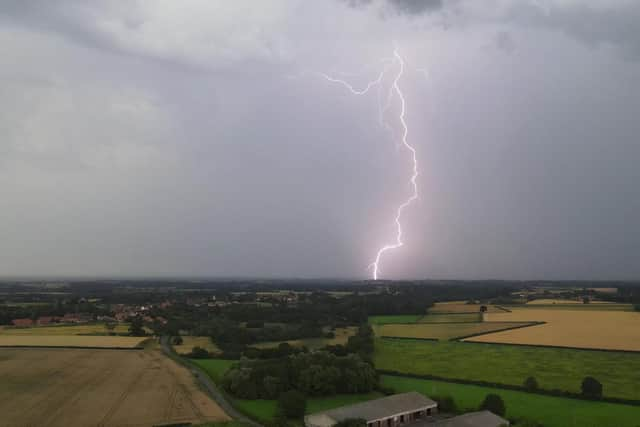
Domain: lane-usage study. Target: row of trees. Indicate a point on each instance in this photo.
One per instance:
(314, 374)
(590, 387)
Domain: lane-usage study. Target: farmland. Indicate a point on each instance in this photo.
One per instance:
(84, 329)
(548, 410)
(450, 317)
(613, 330)
(402, 318)
(68, 341)
(443, 331)
(188, 342)
(341, 337)
(554, 368)
(80, 388)
(461, 307)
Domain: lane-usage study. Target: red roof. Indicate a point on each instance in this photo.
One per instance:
(22, 322)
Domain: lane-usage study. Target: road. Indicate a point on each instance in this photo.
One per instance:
(207, 384)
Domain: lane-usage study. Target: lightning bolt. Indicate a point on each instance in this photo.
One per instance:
(394, 88)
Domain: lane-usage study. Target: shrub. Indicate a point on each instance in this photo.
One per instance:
(198, 353)
(446, 404)
(177, 340)
(591, 388)
(352, 422)
(292, 404)
(494, 403)
(531, 384)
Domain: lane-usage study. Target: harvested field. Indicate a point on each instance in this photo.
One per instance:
(86, 329)
(56, 387)
(461, 307)
(547, 301)
(189, 342)
(341, 337)
(573, 307)
(68, 341)
(443, 331)
(610, 330)
(451, 318)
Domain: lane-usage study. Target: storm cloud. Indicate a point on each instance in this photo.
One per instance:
(195, 138)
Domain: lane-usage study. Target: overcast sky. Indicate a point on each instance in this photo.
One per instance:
(195, 138)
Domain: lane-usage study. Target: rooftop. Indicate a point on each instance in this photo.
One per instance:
(472, 419)
(379, 408)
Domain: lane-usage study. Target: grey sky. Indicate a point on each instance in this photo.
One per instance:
(194, 138)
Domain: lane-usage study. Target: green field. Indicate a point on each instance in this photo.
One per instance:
(453, 317)
(443, 331)
(554, 368)
(548, 410)
(400, 318)
(215, 368)
(265, 410)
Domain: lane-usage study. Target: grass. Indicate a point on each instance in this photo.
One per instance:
(215, 368)
(548, 410)
(400, 318)
(554, 368)
(443, 331)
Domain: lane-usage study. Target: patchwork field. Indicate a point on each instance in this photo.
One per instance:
(341, 337)
(547, 301)
(56, 387)
(554, 368)
(442, 331)
(69, 341)
(613, 330)
(547, 410)
(84, 329)
(188, 342)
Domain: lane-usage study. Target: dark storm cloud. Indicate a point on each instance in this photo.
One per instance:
(114, 163)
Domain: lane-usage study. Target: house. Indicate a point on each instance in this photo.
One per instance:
(46, 320)
(390, 411)
(412, 409)
(22, 323)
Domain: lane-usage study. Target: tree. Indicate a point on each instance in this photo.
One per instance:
(292, 404)
(483, 309)
(446, 404)
(136, 327)
(110, 326)
(531, 384)
(494, 403)
(591, 387)
(177, 340)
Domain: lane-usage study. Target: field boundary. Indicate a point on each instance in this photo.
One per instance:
(512, 387)
(524, 325)
(409, 338)
(605, 350)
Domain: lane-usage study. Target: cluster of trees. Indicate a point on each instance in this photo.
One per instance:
(314, 374)
(53, 308)
(590, 388)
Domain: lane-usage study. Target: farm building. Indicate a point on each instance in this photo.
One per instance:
(22, 322)
(402, 409)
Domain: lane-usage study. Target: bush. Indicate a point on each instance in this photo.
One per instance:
(531, 384)
(352, 422)
(446, 404)
(292, 404)
(177, 340)
(591, 388)
(493, 403)
(198, 353)
(387, 391)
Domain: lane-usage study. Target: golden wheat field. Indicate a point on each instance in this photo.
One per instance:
(611, 330)
(460, 307)
(81, 388)
(85, 329)
(441, 331)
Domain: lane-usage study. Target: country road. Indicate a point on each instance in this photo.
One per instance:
(207, 384)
